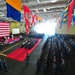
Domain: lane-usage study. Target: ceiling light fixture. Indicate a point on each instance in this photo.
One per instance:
(48, 8)
(52, 1)
(38, 1)
(44, 10)
(37, 10)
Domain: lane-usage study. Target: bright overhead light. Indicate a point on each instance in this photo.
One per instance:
(53, 1)
(44, 10)
(37, 10)
(38, 1)
(48, 8)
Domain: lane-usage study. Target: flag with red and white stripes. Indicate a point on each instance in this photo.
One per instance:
(4, 29)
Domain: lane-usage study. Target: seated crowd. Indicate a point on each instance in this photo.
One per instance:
(29, 43)
(3, 65)
(54, 53)
(9, 40)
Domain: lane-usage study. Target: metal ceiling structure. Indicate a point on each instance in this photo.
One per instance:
(45, 8)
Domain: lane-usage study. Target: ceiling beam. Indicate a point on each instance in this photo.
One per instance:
(2, 4)
(30, 4)
(48, 12)
(49, 6)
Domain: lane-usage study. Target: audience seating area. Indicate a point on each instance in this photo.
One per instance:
(36, 35)
(53, 57)
(72, 43)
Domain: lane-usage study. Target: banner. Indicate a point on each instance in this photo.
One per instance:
(30, 19)
(70, 9)
(39, 18)
(66, 9)
(65, 15)
(26, 16)
(74, 19)
(4, 29)
(35, 19)
(61, 19)
(14, 9)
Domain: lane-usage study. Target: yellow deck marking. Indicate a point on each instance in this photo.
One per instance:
(1, 53)
(11, 47)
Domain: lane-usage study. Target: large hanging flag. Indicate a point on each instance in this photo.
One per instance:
(39, 18)
(26, 16)
(74, 15)
(35, 19)
(61, 20)
(14, 9)
(74, 19)
(70, 9)
(65, 15)
(66, 9)
(30, 19)
(4, 29)
(58, 22)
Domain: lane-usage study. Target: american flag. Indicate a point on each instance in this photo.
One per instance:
(4, 29)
